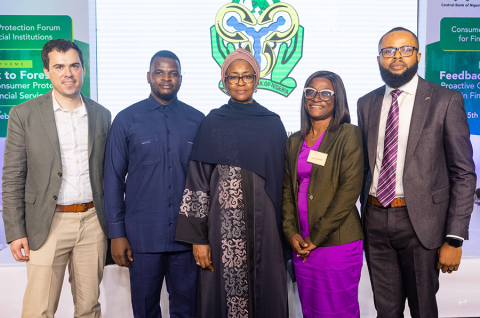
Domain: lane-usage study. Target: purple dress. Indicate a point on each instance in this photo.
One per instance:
(328, 280)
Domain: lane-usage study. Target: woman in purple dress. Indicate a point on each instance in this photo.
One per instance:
(323, 180)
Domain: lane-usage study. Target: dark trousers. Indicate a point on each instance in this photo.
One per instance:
(146, 280)
(399, 266)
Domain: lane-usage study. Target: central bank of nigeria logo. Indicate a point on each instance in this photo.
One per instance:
(270, 31)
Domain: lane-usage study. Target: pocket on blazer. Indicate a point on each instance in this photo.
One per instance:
(440, 195)
(30, 198)
(148, 151)
(434, 130)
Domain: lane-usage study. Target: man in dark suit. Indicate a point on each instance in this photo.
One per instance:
(419, 181)
(53, 168)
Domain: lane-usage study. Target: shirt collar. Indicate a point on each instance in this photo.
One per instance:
(409, 88)
(154, 104)
(81, 111)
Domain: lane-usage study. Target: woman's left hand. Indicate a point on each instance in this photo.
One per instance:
(203, 256)
(309, 248)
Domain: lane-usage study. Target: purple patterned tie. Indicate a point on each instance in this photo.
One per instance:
(387, 178)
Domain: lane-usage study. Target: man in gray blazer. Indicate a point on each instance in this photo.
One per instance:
(53, 187)
(419, 181)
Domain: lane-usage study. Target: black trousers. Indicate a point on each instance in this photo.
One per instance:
(400, 267)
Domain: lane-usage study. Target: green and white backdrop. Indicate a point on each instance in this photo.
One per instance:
(25, 26)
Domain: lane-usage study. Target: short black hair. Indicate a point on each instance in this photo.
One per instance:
(341, 114)
(167, 54)
(394, 30)
(59, 45)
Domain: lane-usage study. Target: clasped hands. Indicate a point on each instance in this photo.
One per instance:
(302, 247)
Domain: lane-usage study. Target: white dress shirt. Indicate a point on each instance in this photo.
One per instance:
(72, 129)
(405, 108)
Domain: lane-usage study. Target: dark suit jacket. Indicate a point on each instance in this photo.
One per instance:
(333, 189)
(32, 168)
(439, 173)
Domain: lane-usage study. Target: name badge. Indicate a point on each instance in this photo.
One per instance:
(317, 157)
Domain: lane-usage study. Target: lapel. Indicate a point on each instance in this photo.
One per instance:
(373, 117)
(294, 162)
(92, 121)
(325, 145)
(419, 115)
(45, 109)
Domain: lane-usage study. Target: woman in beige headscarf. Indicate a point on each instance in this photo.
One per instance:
(231, 209)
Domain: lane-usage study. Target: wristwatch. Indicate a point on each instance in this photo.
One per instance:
(454, 242)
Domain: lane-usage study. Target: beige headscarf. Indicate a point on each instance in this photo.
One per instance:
(240, 54)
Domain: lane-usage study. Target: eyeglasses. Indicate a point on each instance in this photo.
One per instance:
(405, 51)
(247, 79)
(324, 94)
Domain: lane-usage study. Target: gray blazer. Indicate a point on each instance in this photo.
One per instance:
(32, 169)
(439, 174)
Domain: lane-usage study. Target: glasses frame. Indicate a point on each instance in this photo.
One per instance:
(317, 93)
(241, 78)
(397, 49)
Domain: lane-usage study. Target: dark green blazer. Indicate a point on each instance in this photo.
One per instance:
(333, 189)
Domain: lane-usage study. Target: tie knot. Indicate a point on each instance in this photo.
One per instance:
(395, 93)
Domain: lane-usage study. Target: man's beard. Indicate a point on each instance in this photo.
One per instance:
(397, 80)
(165, 97)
